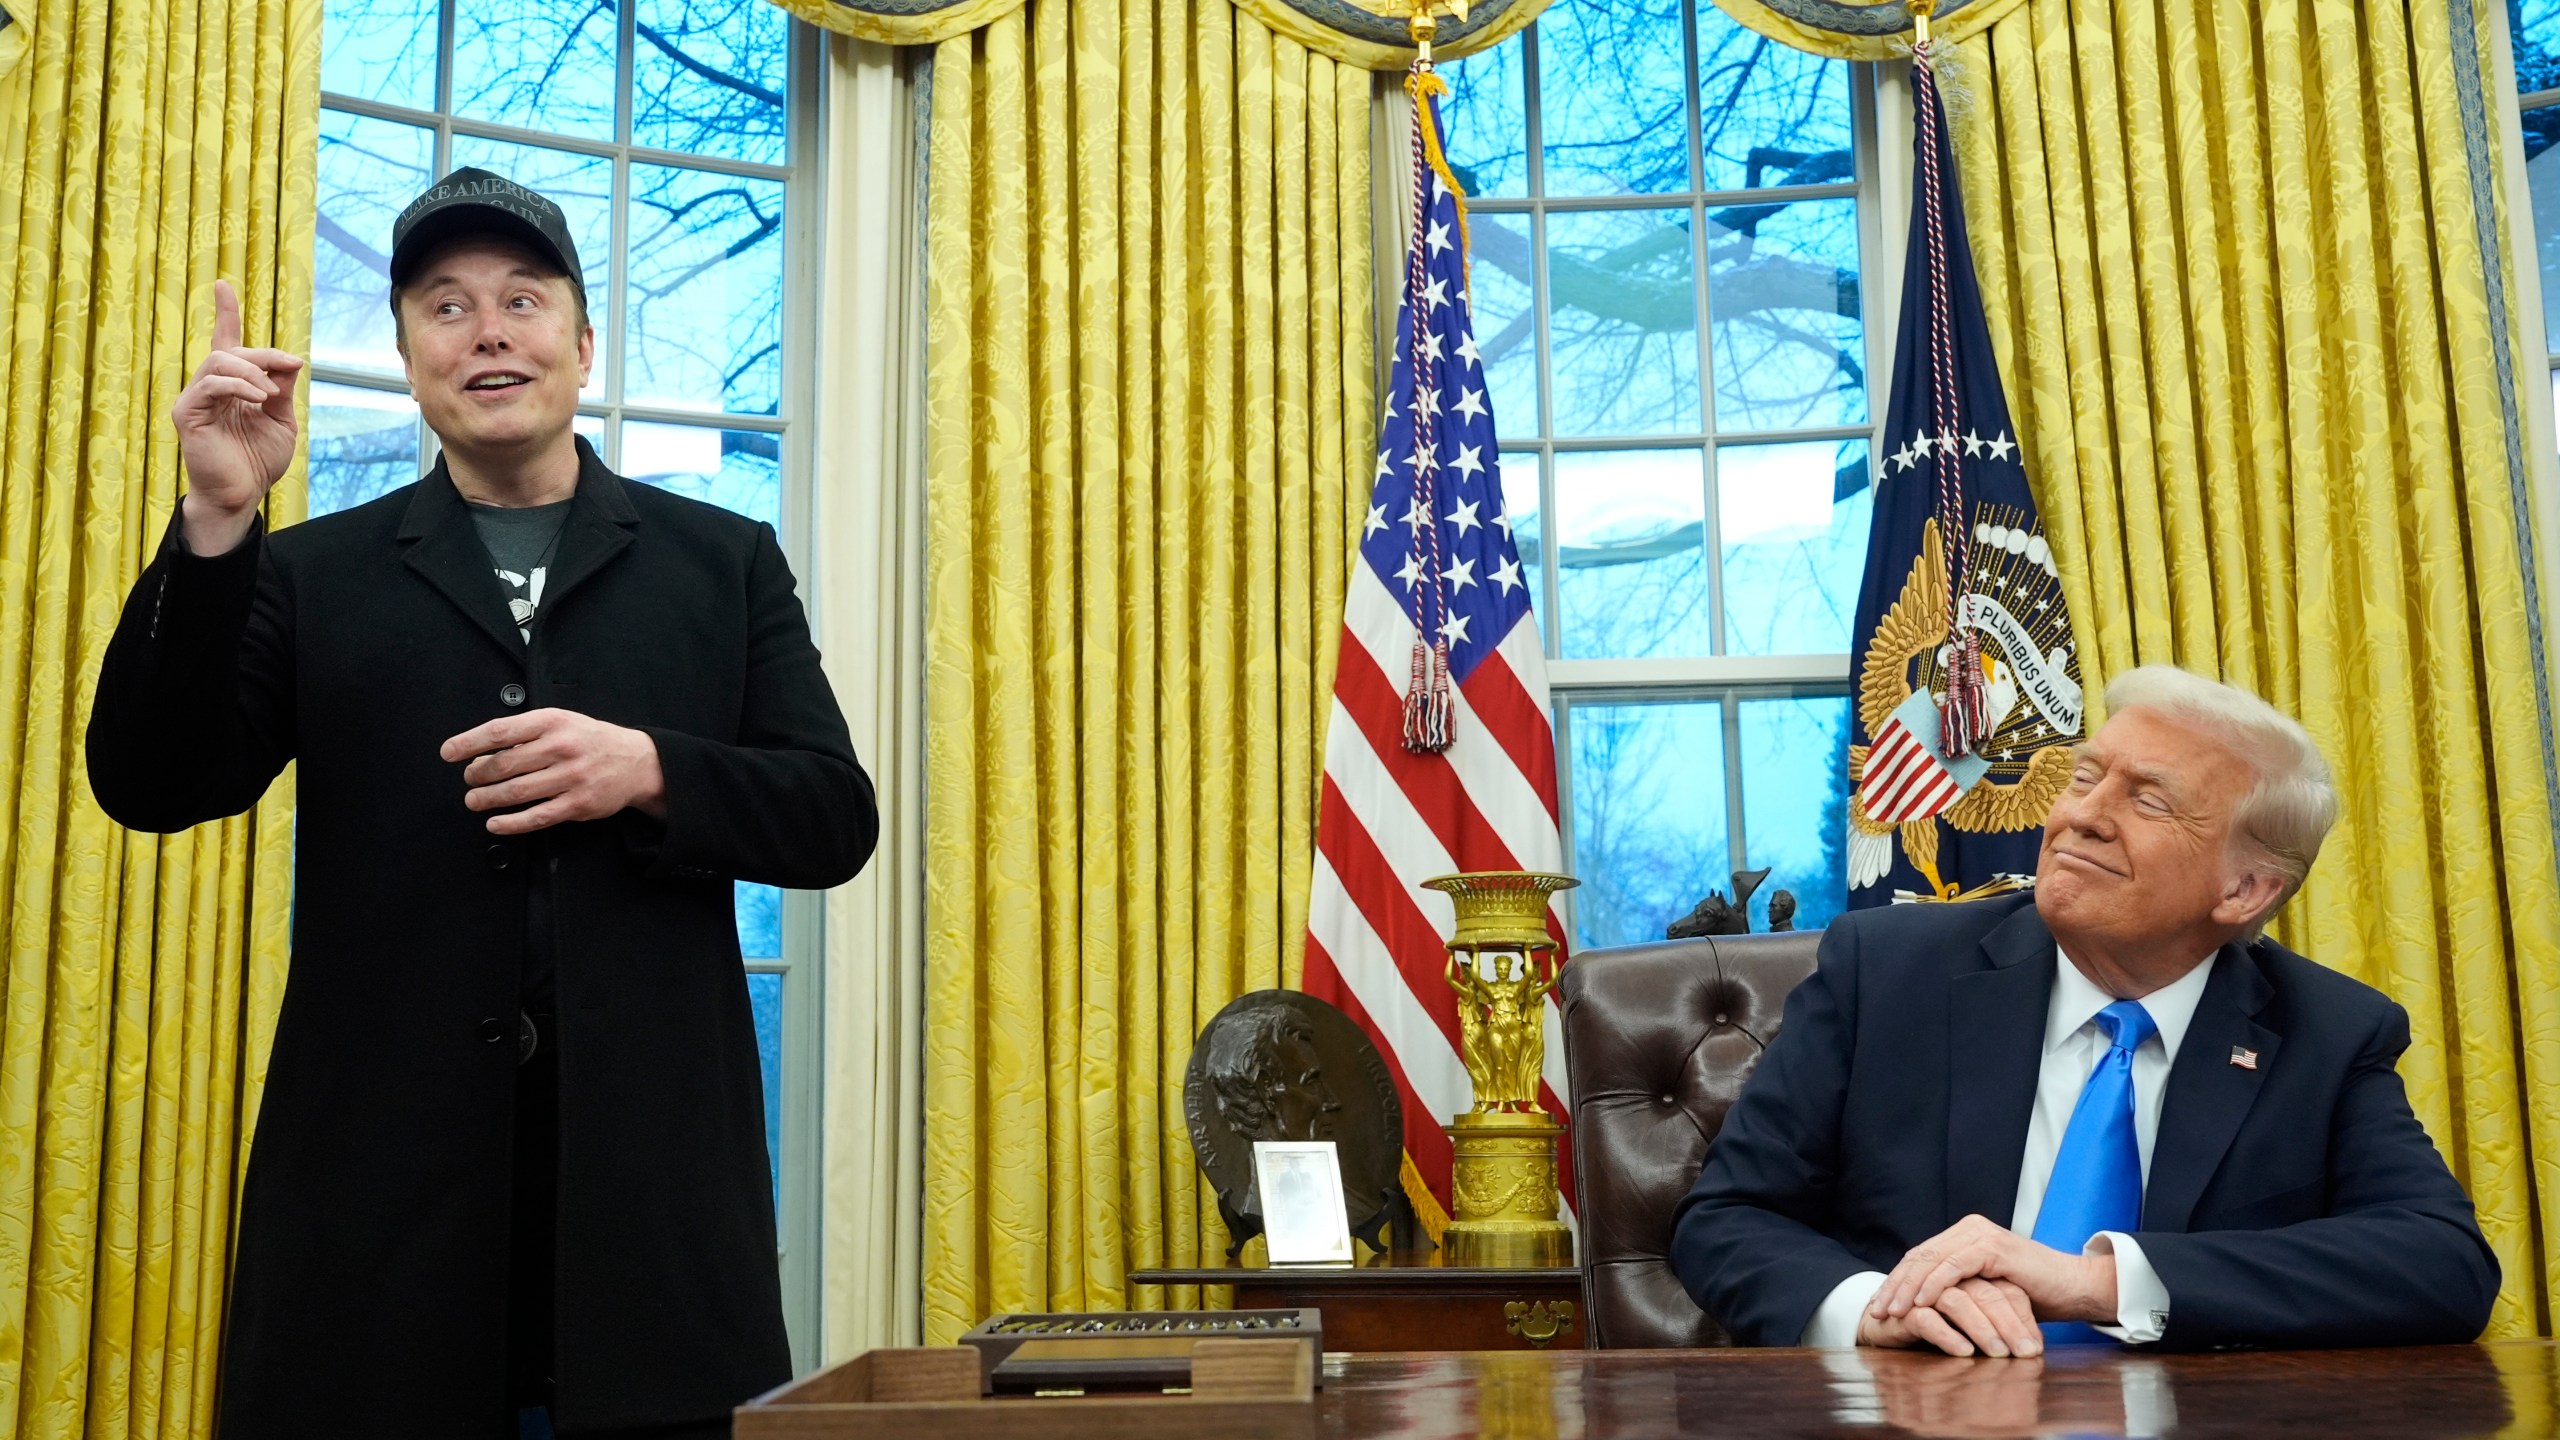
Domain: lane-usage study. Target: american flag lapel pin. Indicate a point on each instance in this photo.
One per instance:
(2246, 1059)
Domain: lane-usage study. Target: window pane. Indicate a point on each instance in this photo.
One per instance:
(708, 76)
(2534, 26)
(1782, 284)
(591, 426)
(1520, 511)
(759, 921)
(737, 470)
(1501, 267)
(2542, 173)
(706, 291)
(1631, 529)
(1623, 318)
(1795, 795)
(1792, 521)
(369, 171)
(764, 997)
(380, 50)
(1484, 120)
(536, 64)
(582, 186)
(1648, 816)
(1770, 113)
(364, 443)
(1612, 119)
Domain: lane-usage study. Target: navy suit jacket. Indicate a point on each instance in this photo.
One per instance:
(2299, 1203)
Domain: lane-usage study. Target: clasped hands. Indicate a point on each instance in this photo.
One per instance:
(577, 766)
(1981, 1288)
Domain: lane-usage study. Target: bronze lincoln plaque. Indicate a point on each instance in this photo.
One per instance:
(1283, 1065)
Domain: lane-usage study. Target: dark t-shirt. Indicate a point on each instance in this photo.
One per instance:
(522, 544)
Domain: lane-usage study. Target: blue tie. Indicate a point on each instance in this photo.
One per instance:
(2097, 1175)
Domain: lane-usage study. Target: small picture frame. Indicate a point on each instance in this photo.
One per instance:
(1300, 1183)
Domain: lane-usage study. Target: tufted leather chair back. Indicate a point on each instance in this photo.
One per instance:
(1657, 1041)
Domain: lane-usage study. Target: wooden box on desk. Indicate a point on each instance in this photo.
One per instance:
(1408, 1301)
(1247, 1389)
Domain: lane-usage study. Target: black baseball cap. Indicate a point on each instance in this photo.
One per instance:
(472, 201)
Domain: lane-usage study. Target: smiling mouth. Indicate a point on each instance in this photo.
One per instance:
(499, 382)
(2086, 860)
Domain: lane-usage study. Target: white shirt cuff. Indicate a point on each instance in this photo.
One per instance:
(1835, 1325)
(2142, 1302)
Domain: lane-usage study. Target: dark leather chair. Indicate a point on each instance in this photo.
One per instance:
(1657, 1042)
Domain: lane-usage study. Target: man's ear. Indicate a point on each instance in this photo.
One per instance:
(586, 356)
(2251, 895)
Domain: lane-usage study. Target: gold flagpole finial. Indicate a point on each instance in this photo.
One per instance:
(1423, 24)
(1920, 10)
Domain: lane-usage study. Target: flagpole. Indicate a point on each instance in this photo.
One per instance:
(1920, 10)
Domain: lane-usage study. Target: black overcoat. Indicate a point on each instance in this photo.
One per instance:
(369, 1296)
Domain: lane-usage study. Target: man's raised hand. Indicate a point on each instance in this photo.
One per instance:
(236, 429)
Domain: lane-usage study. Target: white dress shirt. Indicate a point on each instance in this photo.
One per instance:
(2073, 1045)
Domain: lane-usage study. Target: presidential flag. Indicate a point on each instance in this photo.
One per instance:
(1968, 689)
(1439, 756)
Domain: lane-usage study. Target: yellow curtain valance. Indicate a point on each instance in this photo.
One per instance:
(1860, 29)
(1366, 33)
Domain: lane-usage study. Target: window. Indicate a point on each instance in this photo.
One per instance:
(677, 136)
(1692, 500)
(2533, 32)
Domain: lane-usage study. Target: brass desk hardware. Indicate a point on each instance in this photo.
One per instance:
(1538, 1321)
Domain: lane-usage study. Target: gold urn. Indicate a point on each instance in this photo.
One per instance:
(1502, 963)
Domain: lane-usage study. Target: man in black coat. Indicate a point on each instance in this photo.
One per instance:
(2107, 1104)
(511, 1152)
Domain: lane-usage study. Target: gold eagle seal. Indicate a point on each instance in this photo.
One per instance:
(2016, 600)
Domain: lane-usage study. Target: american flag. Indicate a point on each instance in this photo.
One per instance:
(1414, 789)
(1909, 775)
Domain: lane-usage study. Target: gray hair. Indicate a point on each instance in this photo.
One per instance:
(2289, 810)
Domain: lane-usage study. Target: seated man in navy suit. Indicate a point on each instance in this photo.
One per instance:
(2108, 1110)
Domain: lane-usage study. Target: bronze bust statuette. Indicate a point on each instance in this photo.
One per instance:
(1283, 1065)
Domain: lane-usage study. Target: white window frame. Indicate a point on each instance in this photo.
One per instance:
(1883, 209)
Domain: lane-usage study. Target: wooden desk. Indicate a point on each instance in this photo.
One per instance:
(2416, 1394)
(1410, 1301)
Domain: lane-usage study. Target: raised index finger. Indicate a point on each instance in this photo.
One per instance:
(226, 316)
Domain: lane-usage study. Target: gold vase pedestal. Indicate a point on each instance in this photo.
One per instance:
(1504, 1184)
(1502, 963)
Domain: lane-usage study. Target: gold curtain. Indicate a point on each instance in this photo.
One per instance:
(1148, 405)
(145, 149)
(2247, 286)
